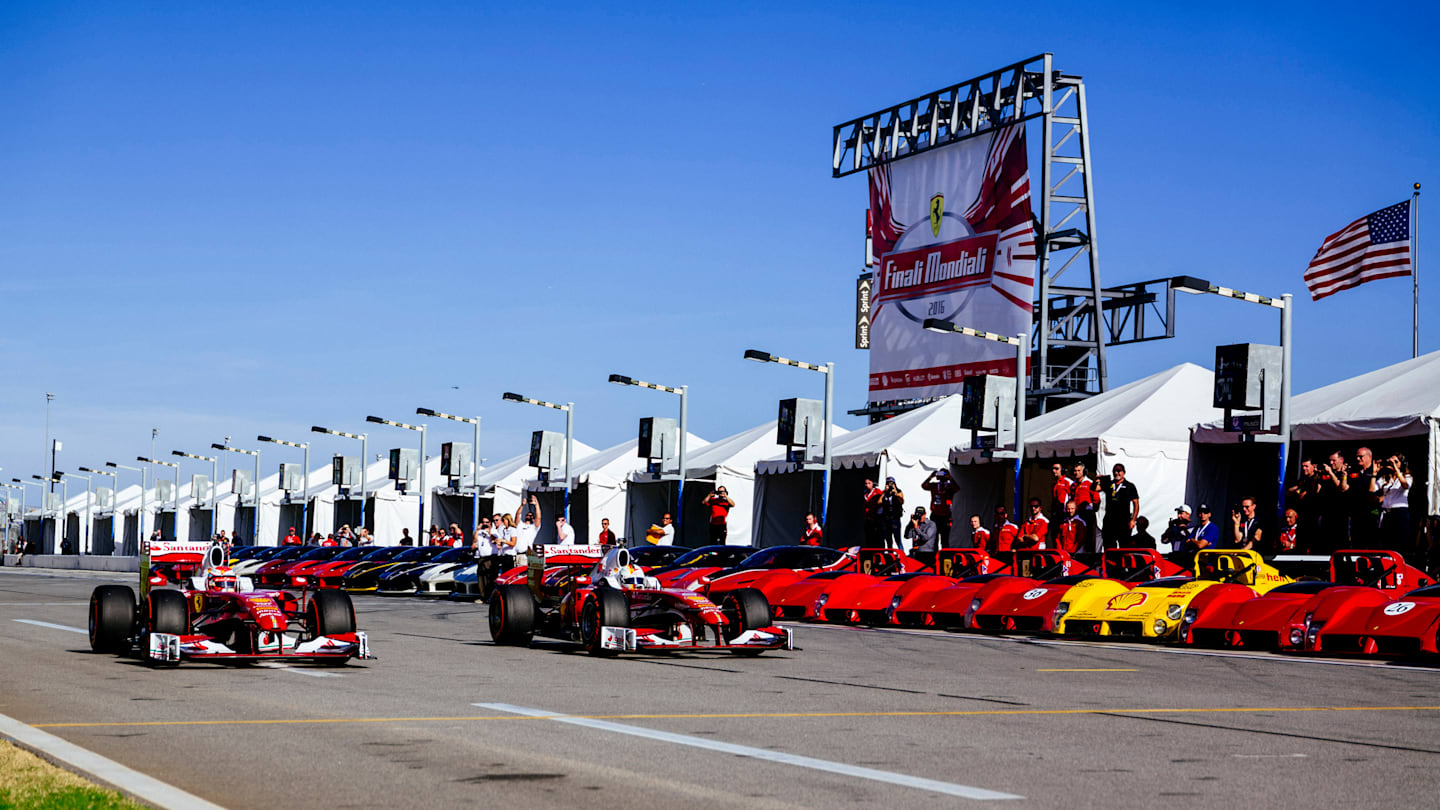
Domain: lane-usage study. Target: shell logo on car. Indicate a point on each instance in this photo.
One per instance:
(1125, 601)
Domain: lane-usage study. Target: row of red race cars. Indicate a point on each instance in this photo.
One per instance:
(728, 598)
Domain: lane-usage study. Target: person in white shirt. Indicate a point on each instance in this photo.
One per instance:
(1392, 483)
(483, 546)
(564, 532)
(529, 516)
(668, 524)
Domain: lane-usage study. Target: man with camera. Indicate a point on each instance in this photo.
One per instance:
(1245, 531)
(1364, 501)
(1333, 512)
(720, 505)
(942, 493)
(1178, 530)
(923, 536)
(1392, 486)
(892, 509)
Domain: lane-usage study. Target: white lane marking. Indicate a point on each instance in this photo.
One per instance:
(42, 604)
(54, 626)
(1101, 645)
(857, 771)
(299, 671)
(147, 788)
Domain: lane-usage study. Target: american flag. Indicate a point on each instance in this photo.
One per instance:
(1372, 247)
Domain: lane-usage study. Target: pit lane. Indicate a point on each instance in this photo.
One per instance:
(1052, 722)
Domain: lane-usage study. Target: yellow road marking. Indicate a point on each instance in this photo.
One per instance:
(1087, 670)
(742, 716)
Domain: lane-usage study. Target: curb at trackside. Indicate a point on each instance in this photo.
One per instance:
(100, 769)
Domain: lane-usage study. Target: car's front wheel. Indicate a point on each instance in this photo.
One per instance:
(112, 618)
(604, 608)
(512, 615)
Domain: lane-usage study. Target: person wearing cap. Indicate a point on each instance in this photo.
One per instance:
(719, 503)
(1203, 534)
(892, 511)
(293, 539)
(942, 494)
(924, 535)
(1179, 529)
(813, 534)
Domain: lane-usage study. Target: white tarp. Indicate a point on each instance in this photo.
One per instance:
(1399, 401)
(729, 462)
(908, 447)
(1143, 425)
(598, 483)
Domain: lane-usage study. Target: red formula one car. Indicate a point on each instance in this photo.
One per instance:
(1360, 580)
(1015, 604)
(218, 616)
(948, 607)
(596, 596)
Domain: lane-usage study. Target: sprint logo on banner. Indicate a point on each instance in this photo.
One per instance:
(954, 238)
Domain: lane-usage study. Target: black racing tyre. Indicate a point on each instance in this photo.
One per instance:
(604, 608)
(112, 618)
(331, 613)
(168, 612)
(513, 613)
(748, 609)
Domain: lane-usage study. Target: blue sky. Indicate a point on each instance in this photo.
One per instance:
(229, 221)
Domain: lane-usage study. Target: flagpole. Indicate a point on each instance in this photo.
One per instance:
(1415, 270)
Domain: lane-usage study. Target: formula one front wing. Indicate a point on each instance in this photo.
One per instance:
(168, 648)
(623, 639)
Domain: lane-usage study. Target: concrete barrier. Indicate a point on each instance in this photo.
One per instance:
(73, 562)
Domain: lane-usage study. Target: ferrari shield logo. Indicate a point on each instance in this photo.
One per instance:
(937, 210)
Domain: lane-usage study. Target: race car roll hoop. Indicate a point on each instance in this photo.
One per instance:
(219, 616)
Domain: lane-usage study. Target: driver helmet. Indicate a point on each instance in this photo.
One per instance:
(223, 578)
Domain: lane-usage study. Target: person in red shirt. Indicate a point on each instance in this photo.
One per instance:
(607, 537)
(1074, 532)
(1059, 488)
(329, 542)
(1004, 532)
(1037, 525)
(292, 539)
(813, 533)
(872, 512)
(979, 535)
(942, 494)
(720, 505)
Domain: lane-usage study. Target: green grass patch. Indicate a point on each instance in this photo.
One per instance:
(28, 782)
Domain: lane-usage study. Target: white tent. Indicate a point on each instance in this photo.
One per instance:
(729, 462)
(1143, 425)
(908, 447)
(1398, 405)
(598, 483)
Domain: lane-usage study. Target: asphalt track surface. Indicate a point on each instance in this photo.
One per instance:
(862, 718)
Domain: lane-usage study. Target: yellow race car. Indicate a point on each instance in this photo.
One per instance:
(1156, 609)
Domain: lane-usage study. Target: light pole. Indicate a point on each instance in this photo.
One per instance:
(684, 393)
(49, 448)
(174, 530)
(828, 369)
(1286, 304)
(569, 409)
(85, 543)
(140, 518)
(22, 502)
(114, 488)
(305, 506)
(1021, 342)
(474, 455)
(364, 460)
(423, 494)
(255, 528)
(61, 518)
(214, 482)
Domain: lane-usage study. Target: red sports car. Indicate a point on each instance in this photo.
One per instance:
(277, 573)
(770, 569)
(803, 598)
(949, 607)
(1360, 580)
